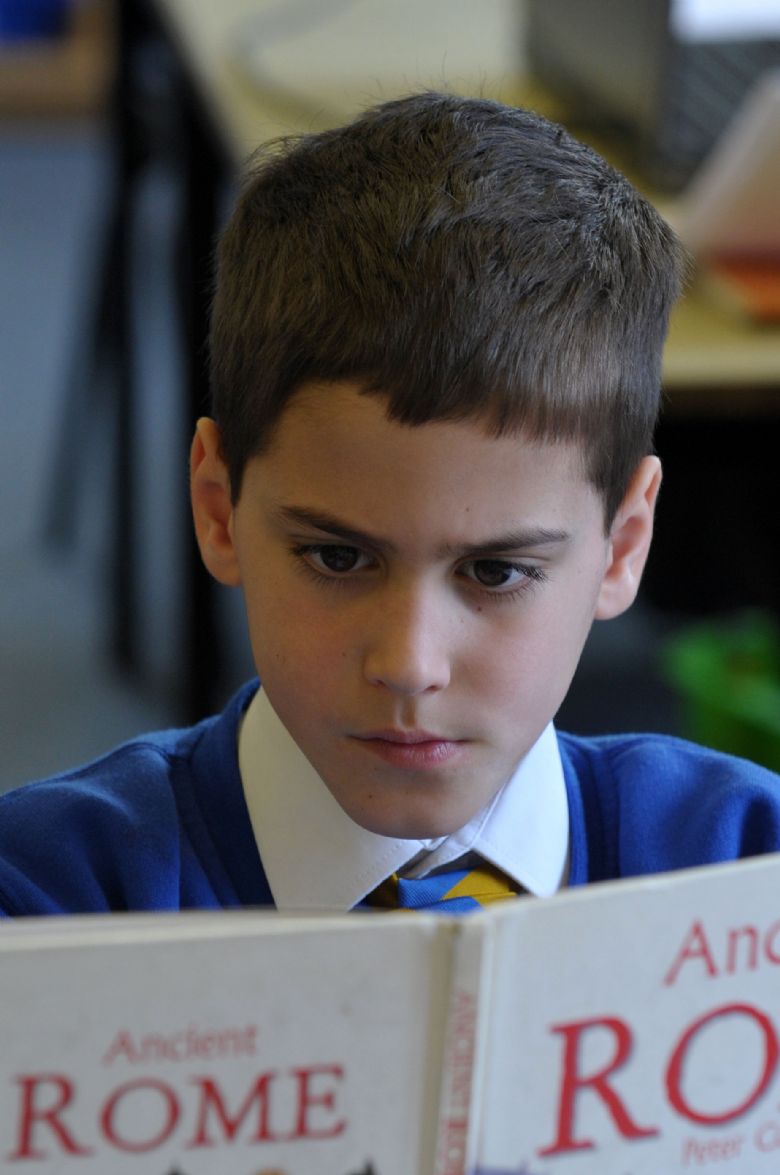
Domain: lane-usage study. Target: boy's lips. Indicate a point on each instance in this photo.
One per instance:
(411, 748)
(392, 735)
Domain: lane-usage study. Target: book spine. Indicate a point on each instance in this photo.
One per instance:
(462, 1055)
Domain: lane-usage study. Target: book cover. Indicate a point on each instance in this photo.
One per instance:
(634, 1029)
(237, 1043)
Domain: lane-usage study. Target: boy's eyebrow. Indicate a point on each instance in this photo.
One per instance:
(516, 540)
(538, 536)
(302, 515)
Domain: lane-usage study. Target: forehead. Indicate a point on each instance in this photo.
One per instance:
(341, 415)
(336, 448)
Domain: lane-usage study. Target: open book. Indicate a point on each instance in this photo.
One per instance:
(630, 1028)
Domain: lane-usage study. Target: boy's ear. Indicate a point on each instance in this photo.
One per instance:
(212, 508)
(629, 541)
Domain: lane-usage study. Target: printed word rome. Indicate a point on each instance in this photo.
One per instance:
(51, 1118)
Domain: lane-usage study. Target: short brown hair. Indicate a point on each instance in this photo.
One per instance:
(464, 258)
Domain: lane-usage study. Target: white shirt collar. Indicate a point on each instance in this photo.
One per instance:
(317, 858)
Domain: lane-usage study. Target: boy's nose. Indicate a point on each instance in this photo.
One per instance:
(407, 651)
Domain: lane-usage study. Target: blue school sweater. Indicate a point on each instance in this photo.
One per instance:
(160, 823)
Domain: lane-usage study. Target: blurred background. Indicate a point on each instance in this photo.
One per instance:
(122, 129)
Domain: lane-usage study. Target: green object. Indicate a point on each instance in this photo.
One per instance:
(728, 676)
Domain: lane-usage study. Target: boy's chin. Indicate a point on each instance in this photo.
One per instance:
(414, 825)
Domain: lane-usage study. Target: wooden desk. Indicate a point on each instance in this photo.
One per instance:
(712, 353)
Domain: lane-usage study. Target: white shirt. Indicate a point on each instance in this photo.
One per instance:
(317, 858)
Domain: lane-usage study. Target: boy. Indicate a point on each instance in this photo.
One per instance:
(436, 353)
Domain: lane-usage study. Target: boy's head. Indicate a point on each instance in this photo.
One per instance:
(436, 353)
(466, 260)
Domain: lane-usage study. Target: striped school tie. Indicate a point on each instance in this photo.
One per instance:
(459, 891)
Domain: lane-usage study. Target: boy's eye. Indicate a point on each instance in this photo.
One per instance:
(335, 558)
(496, 573)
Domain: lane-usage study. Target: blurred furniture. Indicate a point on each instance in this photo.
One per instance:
(152, 108)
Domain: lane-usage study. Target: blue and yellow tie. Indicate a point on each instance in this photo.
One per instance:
(459, 891)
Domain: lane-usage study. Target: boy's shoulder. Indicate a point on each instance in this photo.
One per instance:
(663, 756)
(649, 803)
(128, 829)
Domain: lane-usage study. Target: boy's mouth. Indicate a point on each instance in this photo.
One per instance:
(391, 735)
(411, 748)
